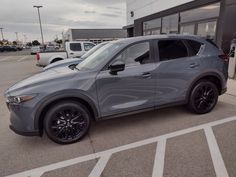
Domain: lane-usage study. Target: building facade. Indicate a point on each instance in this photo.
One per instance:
(95, 35)
(214, 19)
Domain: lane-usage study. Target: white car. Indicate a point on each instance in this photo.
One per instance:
(36, 49)
(73, 50)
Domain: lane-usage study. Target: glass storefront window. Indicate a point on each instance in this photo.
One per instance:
(187, 29)
(206, 12)
(170, 24)
(152, 27)
(207, 29)
(156, 23)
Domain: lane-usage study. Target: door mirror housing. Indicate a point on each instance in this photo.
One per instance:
(116, 67)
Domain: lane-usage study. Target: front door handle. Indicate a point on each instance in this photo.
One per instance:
(146, 75)
(71, 53)
(194, 65)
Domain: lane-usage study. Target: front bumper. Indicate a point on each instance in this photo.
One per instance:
(19, 132)
(22, 120)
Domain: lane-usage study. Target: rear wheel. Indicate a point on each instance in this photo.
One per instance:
(67, 122)
(204, 97)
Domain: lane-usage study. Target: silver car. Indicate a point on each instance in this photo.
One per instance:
(123, 77)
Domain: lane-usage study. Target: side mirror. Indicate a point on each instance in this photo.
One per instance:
(116, 67)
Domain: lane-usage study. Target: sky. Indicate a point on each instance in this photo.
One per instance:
(57, 16)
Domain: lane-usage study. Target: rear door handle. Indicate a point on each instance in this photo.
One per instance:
(194, 65)
(146, 75)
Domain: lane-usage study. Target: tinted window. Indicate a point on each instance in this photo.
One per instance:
(136, 54)
(194, 46)
(88, 46)
(75, 47)
(172, 49)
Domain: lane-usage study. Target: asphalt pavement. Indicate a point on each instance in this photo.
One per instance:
(170, 142)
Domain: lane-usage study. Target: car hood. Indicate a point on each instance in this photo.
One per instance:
(64, 62)
(42, 77)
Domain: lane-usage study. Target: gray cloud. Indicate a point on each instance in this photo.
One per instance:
(59, 15)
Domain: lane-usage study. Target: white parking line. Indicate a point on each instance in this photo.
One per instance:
(217, 159)
(23, 58)
(105, 155)
(5, 58)
(158, 166)
(99, 167)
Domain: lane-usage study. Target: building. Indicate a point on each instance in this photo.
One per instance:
(215, 19)
(95, 35)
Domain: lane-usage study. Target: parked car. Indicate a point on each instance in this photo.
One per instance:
(74, 61)
(73, 50)
(123, 77)
(1, 49)
(7, 48)
(36, 49)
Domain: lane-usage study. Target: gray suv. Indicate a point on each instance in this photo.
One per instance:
(123, 77)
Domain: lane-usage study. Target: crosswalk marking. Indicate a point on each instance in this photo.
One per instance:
(161, 140)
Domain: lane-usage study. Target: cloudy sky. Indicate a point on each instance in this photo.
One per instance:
(58, 15)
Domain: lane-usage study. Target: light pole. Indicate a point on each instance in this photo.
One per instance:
(40, 22)
(16, 36)
(2, 33)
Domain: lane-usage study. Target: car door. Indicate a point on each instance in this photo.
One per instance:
(132, 89)
(178, 65)
(75, 50)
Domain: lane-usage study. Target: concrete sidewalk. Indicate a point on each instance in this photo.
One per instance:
(231, 87)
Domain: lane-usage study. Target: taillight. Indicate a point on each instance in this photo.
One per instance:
(37, 56)
(224, 57)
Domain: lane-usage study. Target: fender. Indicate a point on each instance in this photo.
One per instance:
(60, 95)
(211, 73)
(54, 57)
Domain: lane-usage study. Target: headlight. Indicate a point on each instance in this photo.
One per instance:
(15, 100)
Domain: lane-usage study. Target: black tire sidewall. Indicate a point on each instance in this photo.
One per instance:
(191, 104)
(59, 106)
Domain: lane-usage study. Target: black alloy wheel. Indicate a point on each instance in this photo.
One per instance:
(67, 122)
(204, 97)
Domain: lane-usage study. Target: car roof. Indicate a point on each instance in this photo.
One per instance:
(151, 37)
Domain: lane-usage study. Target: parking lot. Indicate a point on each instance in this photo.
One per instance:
(170, 142)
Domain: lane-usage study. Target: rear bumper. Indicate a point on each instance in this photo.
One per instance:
(36, 133)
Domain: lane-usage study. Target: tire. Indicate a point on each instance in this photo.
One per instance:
(203, 97)
(67, 122)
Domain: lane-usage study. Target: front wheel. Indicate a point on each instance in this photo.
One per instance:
(67, 122)
(203, 98)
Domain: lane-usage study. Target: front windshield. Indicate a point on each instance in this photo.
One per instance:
(91, 51)
(98, 57)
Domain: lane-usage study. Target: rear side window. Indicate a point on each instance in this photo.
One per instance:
(194, 47)
(172, 49)
(75, 47)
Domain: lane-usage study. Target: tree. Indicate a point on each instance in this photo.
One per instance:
(14, 43)
(1, 43)
(35, 42)
(58, 41)
(29, 44)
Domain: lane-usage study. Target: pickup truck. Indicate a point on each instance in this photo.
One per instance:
(73, 50)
